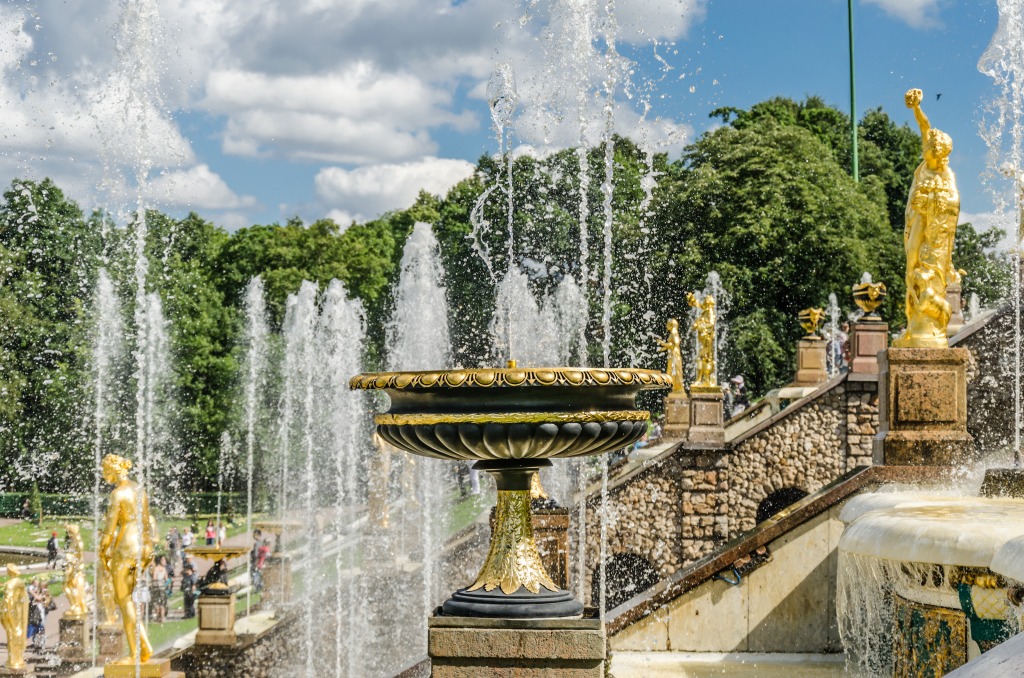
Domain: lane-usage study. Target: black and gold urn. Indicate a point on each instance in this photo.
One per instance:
(511, 421)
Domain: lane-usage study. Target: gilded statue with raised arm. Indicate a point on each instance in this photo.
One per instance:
(14, 617)
(704, 327)
(126, 549)
(933, 209)
(74, 575)
(672, 348)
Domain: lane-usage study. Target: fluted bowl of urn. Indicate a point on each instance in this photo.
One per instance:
(512, 421)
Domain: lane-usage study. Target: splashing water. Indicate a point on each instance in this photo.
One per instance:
(257, 333)
(834, 358)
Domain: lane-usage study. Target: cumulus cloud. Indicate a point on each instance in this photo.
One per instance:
(371, 190)
(196, 188)
(916, 13)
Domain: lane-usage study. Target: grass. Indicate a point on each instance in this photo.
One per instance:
(27, 534)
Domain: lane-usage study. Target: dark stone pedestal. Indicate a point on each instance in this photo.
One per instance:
(464, 647)
(216, 620)
(866, 340)
(277, 582)
(923, 408)
(74, 646)
(154, 668)
(811, 367)
(551, 533)
(1003, 482)
(707, 425)
(677, 416)
(109, 642)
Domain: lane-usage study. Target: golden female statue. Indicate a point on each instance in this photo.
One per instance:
(704, 326)
(126, 548)
(74, 576)
(14, 617)
(931, 217)
(672, 348)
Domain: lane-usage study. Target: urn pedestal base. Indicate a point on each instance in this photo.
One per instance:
(867, 339)
(216, 620)
(811, 362)
(707, 418)
(74, 646)
(677, 416)
(461, 647)
(154, 668)
(923, 408)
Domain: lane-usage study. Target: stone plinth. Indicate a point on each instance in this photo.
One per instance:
(956, 308)
(707, 424)
(923, 407)
(1003, 482)
(866, 340)
(811, 362)
(551, 532)
(74, 646)
(154, 668)
(216, 620)
(277, 581)
(470, 647)
(109, 642)
(677, 416)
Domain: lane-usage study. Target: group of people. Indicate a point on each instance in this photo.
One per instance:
(40, 603)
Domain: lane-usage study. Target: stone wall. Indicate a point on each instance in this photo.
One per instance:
(272, 654)
(683, 506)
(990, 375)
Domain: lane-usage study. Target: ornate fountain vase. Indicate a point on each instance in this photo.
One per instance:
(511, 422)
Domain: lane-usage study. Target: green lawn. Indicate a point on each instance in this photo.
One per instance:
(25, 533)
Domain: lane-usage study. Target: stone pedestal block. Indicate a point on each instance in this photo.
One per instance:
(811, 362)
(551, 532)
(109, 642)
(677, 416)
(470, 647)
(707, 424)
(216, 620)
(1003, 482)
(866, 340)
(923, 407)
(74, 646)
(277, 582)
(956, 308)
(154, 668)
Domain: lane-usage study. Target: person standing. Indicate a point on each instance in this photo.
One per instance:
(187, 539)
(188, 589)
(173, 550)
(211, 533)
(158, 589)
(51, 551)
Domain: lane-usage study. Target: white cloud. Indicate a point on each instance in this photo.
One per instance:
(916, 13)
(196, 188)
(369, 191)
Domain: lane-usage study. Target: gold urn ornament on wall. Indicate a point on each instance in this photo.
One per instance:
(869, 296)
(810, 320)
(511, 421)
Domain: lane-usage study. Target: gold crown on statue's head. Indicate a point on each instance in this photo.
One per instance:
(810, 320)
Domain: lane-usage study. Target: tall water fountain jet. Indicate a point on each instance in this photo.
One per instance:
(154, 446)
(834, 357)
(419, 339)
(1003, 131)
(257, 333)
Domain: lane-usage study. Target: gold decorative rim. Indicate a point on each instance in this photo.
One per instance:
(511, 377)
(427, 419)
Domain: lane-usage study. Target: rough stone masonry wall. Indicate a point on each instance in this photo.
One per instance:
(990, 375)
(272, 655)
(679, 511)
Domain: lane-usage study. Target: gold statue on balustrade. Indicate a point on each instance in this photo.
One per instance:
(74, 575)
(704, 327)
(672, 348)
(933, 209)
(126, 549)
(14, 617)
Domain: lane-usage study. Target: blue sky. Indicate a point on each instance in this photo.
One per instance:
(257, 111)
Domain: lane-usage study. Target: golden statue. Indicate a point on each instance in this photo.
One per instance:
(704, 326)
(672, 348)
(931, 217)
(14, 617)
(74, 576)
(126, 548)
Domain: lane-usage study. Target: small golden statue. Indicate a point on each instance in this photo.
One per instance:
(74, 576)
(704, 326)
(933, 209)
(14, 617)
(672, 348)
(810, 320)
(127, 545)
